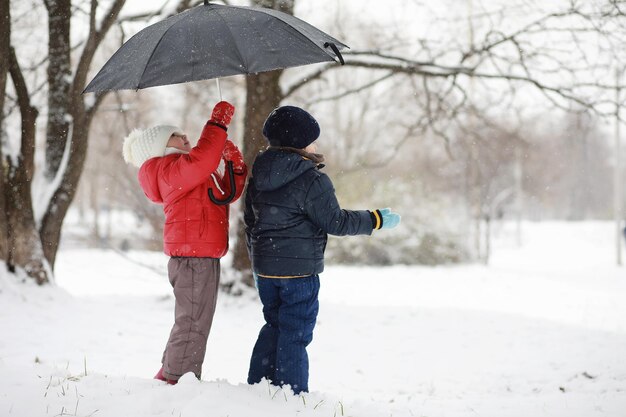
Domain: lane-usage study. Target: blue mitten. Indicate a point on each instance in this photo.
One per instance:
(385, 219)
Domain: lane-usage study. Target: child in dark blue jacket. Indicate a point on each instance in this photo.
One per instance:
(290, 207)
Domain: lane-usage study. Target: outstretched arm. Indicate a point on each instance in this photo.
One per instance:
(323, 209)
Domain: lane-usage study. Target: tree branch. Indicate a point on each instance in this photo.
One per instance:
(29, 114)
(433, 70)
(353, 90)
(307, 79)
(96, 35)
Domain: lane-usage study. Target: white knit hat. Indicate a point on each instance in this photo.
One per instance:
(141, 145)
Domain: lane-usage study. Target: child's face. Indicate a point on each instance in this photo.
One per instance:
(179, 141)
(312, 148)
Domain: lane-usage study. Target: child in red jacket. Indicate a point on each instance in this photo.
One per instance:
(195, 236)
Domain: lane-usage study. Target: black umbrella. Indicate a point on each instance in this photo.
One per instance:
(210, 41)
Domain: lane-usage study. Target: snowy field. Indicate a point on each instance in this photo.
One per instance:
(540, 332)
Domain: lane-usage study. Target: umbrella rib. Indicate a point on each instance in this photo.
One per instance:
(305, 36)
(233, 38)
(255, 30)
(260, 36)
(152, 53)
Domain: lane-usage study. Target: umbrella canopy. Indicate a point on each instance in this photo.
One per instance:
(213, 40)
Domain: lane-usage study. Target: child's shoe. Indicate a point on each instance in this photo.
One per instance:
(161, 377)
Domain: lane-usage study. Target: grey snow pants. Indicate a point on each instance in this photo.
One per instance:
(195, 282)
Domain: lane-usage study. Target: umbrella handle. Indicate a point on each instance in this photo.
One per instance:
(336, 51)
(231, 181)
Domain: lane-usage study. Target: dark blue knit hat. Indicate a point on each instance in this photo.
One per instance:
(291, 126)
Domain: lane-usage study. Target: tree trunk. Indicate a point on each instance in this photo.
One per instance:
(59, 83)
(72, 119)
(61, 200)
(262, 96)
(5, 45)
(25, 249)
(59, 121)
(29, 248)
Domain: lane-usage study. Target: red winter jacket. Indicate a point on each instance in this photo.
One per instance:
(194, 226)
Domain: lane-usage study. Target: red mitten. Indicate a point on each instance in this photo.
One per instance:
(232, 153)
(222, 114)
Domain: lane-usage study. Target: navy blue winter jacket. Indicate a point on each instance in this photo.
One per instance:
(290, 208)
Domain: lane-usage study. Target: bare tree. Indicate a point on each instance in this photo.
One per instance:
(33, 242)
(107, 181)
(30, 231)
(5, 50)
(447, 86)
(544, 53)
(263, 94)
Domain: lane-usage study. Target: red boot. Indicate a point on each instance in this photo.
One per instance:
(161, 377)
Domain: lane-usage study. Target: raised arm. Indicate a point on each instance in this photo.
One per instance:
(191, 170)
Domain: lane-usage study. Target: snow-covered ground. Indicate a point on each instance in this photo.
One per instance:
(540, 332)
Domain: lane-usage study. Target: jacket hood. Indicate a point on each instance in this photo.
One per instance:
(275, 168)
(148, 180)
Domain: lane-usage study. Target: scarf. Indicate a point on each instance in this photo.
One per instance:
(318, 158)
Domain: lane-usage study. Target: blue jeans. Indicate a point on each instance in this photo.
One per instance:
(290, 308)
